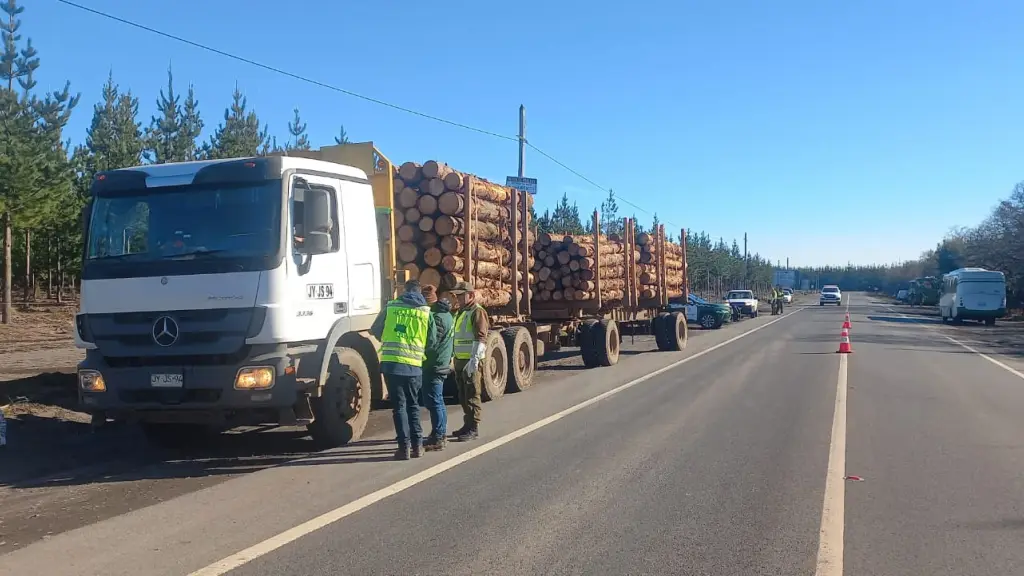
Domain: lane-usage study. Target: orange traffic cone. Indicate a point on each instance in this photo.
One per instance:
(846, 323)
(844, 343)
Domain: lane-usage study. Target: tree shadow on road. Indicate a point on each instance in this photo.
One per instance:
(900, 320)
(224, 454)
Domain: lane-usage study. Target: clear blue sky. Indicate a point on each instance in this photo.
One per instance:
(881, 124)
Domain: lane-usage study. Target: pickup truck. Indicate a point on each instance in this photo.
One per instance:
(744, 300)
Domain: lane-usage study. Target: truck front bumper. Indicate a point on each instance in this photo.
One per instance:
(199, 392)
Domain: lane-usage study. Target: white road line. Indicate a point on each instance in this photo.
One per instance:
(833, 509)
(1013, 371)
(938, 329)
(310, 526)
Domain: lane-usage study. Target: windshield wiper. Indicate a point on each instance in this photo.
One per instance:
(195, 254)
(115, 256)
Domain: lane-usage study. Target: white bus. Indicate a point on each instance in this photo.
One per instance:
(973, 294)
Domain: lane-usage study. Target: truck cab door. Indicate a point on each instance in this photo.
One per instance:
(318, 287)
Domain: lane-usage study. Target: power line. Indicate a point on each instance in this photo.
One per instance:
(588, 180)
(338, 89)
(284, 72)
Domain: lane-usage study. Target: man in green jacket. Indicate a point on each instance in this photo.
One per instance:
(436, 368)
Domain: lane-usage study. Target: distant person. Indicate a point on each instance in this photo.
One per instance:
(405, 329)
(471, 327)
(779, 294)
(436, 369)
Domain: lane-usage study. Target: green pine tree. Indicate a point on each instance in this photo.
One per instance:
(610, 222)
(240, 134)
(190, 127)
(566, 218)
(342, 137)
(114, 138)
(162, 135)
(172, 134)
(297, 129)
(33, 159)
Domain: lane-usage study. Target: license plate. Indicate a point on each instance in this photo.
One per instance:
(166, 380)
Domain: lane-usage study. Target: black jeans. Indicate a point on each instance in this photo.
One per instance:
(404, 392)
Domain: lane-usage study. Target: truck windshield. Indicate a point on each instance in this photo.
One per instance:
(186, 223)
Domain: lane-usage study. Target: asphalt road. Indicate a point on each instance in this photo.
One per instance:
(758, 450)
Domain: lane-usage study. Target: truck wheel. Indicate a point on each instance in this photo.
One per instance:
(605, 337)
(494, 377)
(674, 332)
(708, 321)
(343, 408)
(176, 435)
(587, 345)
(657, 327)
(521, 361)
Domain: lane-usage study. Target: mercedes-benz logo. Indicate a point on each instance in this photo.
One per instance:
(165, 331)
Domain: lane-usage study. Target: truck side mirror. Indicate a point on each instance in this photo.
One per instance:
(86, 214)
(316, 222)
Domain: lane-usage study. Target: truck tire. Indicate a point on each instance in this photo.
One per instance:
(675, 332)
(588, 346)
(494, 375)
(521, 359)
(606, 342)
(657, 327)
(343, 408)
(176, 435)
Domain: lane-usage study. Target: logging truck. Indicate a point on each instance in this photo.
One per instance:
(236, 292)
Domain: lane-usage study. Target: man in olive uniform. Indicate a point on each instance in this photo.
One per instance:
(778, 296)
(405, 329)
(471, 327)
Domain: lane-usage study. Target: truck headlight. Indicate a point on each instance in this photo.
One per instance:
(255, 378)
(91, 381)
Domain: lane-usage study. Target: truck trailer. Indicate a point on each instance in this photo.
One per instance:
(221, 293)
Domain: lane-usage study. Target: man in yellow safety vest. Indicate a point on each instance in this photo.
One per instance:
(471, 328)
(405, 329)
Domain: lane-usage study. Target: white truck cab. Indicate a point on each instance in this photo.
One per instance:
(230, 292)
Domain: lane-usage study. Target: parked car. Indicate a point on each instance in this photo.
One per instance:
(787, 295)
(699, 311)
(744, 301)
(830, 294)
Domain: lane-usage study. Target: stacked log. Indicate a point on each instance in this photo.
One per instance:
(647, 267)
(565, 268)
(674, 269)
(431, 222)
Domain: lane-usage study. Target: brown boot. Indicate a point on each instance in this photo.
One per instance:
(435, 444)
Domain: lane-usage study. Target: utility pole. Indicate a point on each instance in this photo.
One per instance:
(522, 141)
(746, 260)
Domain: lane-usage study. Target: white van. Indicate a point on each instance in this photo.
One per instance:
(973, 294)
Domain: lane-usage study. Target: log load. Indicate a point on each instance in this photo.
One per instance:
(564, 268)
(647, 267)
(431, 220)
